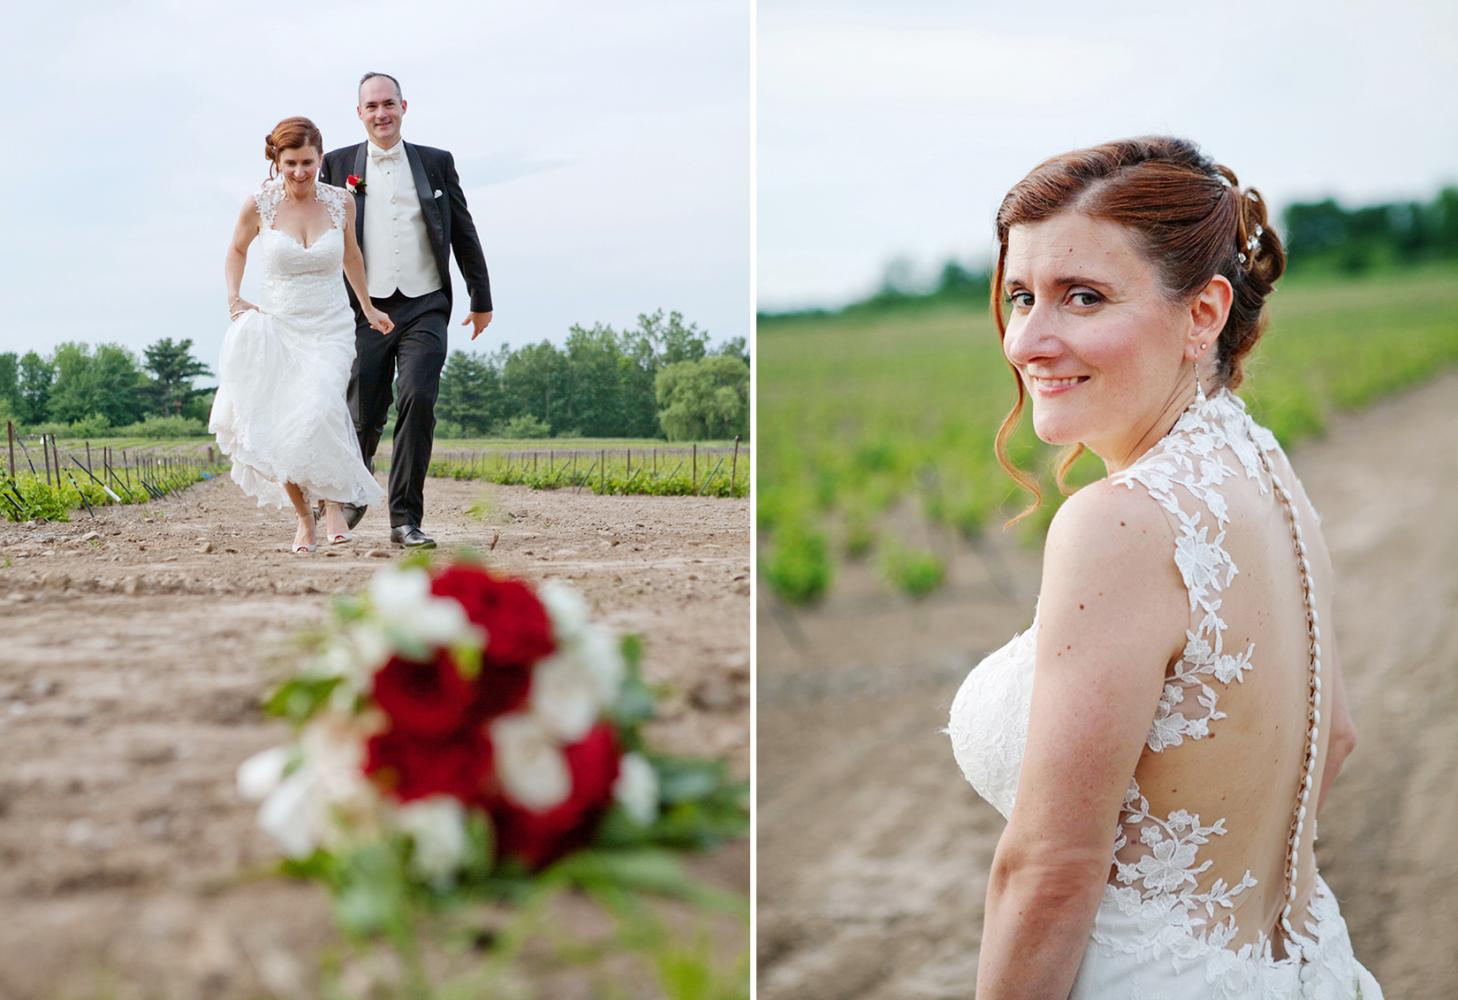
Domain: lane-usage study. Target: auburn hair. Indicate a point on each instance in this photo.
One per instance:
(291, 133)
(1189, 217)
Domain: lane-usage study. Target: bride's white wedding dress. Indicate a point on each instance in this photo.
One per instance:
(280, 411)
(1194, 904)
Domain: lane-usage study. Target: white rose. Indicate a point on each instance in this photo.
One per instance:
(260, 774)
(293, 815)
(531, 765)
(566, 607)
(602, 655)
(305, 809)
(636, 789)
(437, 825)
(404, 604)
(564, 697)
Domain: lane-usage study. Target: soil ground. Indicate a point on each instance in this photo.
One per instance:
(873, 852)
(135, 649)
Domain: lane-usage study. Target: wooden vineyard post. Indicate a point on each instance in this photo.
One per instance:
(734, 465)
(10, 433)
(696, 466)
(88, 455)
(655, 463)
(46, 452)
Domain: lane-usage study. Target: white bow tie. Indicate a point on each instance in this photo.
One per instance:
(376, 153)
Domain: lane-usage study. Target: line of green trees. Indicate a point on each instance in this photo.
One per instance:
(1319, 236)
(660, 378)
(91, 391)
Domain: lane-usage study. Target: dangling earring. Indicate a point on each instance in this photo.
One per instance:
(1199, 389)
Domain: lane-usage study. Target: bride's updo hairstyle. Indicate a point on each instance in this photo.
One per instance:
(1190, 218)
(291, 133)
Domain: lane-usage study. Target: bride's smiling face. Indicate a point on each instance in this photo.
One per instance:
(299, 167)
(1094, 336)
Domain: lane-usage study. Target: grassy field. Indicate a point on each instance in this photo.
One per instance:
(864, 411)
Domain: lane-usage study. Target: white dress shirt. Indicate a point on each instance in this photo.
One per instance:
(397, 249)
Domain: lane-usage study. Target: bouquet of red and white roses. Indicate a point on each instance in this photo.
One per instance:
(457, 732)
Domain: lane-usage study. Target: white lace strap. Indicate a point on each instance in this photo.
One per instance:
(267, 200)
(333, 199)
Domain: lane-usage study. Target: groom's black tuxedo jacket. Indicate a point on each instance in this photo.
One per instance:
(447, 220)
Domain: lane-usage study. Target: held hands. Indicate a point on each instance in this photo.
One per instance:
(237, 306)
(479, 321)
(379, 321)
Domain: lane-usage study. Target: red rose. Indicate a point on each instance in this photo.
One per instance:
(413, 768)
(429, 699)
(518, 631)
(539, 838)
(499, 691)
(353, 180)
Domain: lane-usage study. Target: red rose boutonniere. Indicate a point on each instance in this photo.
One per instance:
(355, 185)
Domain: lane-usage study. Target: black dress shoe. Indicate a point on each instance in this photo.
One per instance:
(411, 537)
(353, 515)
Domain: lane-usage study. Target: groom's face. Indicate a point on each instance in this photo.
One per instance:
(381, 108)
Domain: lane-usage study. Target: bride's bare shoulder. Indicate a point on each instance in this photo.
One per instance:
(1109, 571)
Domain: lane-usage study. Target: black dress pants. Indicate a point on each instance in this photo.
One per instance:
(416, 350)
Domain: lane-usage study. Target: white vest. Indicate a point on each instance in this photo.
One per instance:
(397, 248)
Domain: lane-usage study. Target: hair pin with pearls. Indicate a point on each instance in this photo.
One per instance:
(1253, 244)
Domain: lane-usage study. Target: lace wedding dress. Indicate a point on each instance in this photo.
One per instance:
(280, 411)
(1213, 890)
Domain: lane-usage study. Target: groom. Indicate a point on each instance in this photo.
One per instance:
(409, 215)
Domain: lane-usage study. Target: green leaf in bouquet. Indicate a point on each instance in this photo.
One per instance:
(467, 657)
(349, 608)
(636, 702)
(683, 779)
(321, 866)
(372, 894)
(645, 869)
(632, 649)
(702, 823)
(299, 698)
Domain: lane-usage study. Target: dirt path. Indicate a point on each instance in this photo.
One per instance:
(874, 852)
(133, 652)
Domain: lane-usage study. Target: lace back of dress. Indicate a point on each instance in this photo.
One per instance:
(1203, 836)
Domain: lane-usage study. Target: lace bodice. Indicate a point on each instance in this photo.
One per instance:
(304, 281)
(1185, 886)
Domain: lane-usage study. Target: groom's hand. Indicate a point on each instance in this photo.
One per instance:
(479, 321)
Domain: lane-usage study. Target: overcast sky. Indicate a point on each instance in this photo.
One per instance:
(892, 130)
(603, 149)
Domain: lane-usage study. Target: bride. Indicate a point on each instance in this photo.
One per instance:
(280, 411)
(1163, 734)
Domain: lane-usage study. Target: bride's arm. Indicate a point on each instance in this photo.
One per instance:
(1343, 731)
(1111, 615)
(354, 273)
(237, 256)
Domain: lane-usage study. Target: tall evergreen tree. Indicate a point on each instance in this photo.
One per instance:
(173, 369)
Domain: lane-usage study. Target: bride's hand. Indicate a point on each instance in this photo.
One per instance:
(238, 307)
(379, 321)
